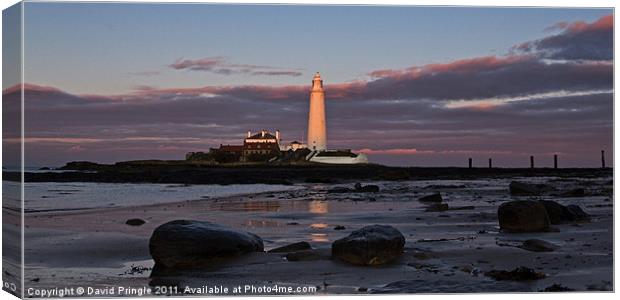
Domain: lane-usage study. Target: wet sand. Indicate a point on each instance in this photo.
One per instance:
(445, 251)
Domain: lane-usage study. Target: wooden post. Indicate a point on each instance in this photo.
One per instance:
(603, 159)
(532, 161)
(555, 161)
(490, 163)
(470, 163)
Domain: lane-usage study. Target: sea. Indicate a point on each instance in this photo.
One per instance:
(59, 196)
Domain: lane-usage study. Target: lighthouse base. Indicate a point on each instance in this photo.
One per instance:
(338, 157)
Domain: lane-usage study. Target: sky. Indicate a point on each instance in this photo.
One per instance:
(409, 86)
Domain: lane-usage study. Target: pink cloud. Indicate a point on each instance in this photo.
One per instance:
(603, 23)
(219, 65)
(414, 151)
(29, 87)
(391, 151)
(470, 65)
(202, 64)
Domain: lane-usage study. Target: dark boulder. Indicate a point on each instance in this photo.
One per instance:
(370, 245)
(339, 190)
(187, 243)
(527, 189)
(537, 245)
(523, 216)
(518, 274)
(578, 214)
(557, 212)
(306, 255)
(578, 192)
(436, 197)
(560, 214)
(467, 207)
(135, 222)
(435, 207)
(292, 247)
(557, 288)
(366, 188)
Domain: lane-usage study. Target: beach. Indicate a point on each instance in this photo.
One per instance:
(445, 252)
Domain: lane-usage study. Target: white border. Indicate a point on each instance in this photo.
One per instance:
(490, 3)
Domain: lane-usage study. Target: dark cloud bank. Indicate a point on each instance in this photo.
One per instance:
(553, 95)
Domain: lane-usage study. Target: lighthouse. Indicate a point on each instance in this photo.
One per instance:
(317, 131)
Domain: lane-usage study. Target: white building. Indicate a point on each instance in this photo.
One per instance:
(317, 131)
(295, 145)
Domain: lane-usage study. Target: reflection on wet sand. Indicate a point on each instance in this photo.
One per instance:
(263, 223)
(318, 225)
(319, 237)
(318, 207)
(247, 206)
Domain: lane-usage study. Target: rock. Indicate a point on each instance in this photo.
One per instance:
(188, 243)
(578, 192)
(537, 245)
(135, 222)
(340, 227)
(557, 288)
(436, 197)
(292, 247)
(339, 190)
(560, 214)
(442, 186)
(305, 255)
(518, 274)
(366, 188)
(557, 212)
(437, 207)
(578, 214)
(468, 207)
(527, 189)
(371, 245)
(523, 216)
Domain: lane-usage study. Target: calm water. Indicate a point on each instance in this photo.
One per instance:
(52, 196)
(49, 196)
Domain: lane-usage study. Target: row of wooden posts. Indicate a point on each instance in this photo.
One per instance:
(555, 161)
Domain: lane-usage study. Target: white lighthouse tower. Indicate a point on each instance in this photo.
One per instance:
(317, 129)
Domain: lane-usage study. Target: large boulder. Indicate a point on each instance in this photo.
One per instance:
(527, 189)
(187, 243)
(518, 274)
(523, 216)
(435, 207)
(578, 214)
(371, 188)
(578, 192)
(135, 222)
(432, 198)
(537, 245)
(371, 245)
(559, 214)
(292, 247)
